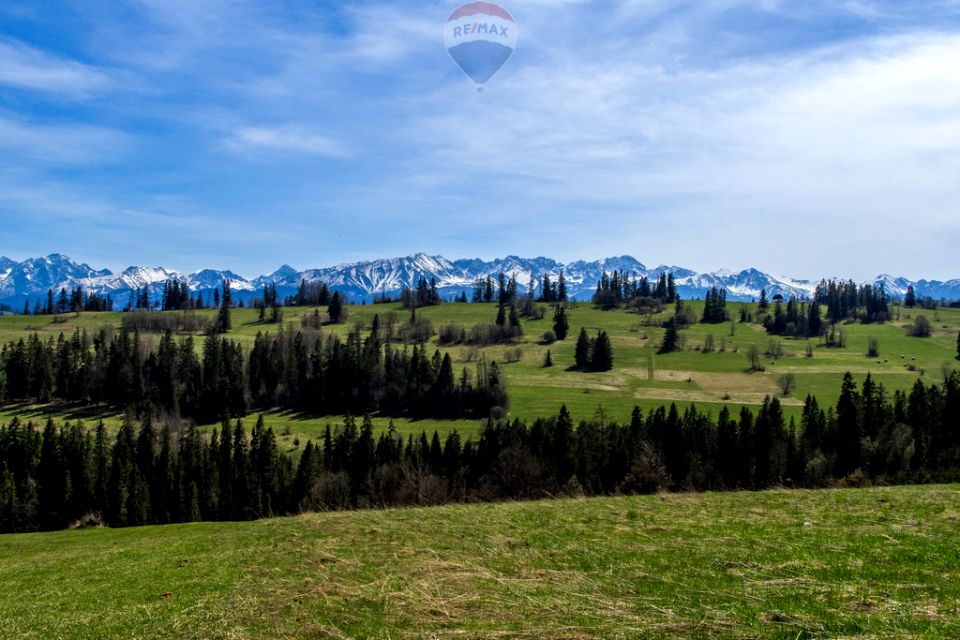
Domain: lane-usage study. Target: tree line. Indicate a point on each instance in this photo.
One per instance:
(848, 301)
(73, 301)
(297, 369)
(52, 477)
(619, 288)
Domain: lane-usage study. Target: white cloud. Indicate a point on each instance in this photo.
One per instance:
(816, 146)
(25, 142)
(29, 68)
(287, 139)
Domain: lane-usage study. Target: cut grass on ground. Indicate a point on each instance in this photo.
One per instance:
(874, 563)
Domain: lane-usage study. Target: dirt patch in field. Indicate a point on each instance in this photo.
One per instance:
(716, 382)
(700, 395)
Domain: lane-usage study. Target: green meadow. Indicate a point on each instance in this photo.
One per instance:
(640, 376)
(870, 563)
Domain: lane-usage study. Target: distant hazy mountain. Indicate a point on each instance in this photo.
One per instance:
(31, 279)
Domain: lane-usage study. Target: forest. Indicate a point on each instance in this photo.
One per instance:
(64, 475)
(296, 369)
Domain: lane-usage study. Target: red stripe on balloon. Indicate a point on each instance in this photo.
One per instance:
(474, 8)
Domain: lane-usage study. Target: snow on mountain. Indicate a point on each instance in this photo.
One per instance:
(284, 275)
(40, 274)
(31, 279)
(211, 279)
(746, 284)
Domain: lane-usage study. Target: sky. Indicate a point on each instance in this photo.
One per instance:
(806, 139)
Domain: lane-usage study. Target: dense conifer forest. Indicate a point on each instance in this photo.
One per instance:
(58, 475)
(295, 369)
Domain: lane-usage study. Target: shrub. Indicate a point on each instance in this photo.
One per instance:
(708, 344)
(451, 334)
(313, 320)
(549, 337)
(513, 355)
(162, 322)
(775, 349)
(921, 328)
(417, 332)
(787, 383)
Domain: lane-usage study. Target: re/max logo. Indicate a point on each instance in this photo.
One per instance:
(480, 27)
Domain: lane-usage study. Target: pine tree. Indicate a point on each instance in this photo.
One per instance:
(910, 299)
(582, 353)
(52, 480)
(671, 289)
(335, 309)
(561, 288)
(602, 356)
(561, 326)
(849, 428)
(514, 318)
(671, 339)
(562, 449)
(223, 324)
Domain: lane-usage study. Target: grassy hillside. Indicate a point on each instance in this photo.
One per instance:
(640, 376)
(877, 563)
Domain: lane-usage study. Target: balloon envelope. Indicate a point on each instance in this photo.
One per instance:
(480, 37)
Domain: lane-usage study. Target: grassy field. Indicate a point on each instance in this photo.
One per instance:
(871, 563)
(640, 376)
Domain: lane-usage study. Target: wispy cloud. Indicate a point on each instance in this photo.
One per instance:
(680, 130)
(286, 139)
(26, 67)
(27, 142)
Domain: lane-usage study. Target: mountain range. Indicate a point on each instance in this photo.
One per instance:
(31, 279)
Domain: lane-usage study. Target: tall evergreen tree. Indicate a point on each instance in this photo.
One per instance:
(671, 338)
(910, 299)
(335, 309)
(849, 428)
(561, 326)
(52, 480)
(223, 323)
(602, 356)
(582, 352)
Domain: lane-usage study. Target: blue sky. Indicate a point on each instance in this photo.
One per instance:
(805, 138)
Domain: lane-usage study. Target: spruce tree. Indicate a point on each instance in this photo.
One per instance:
(582, 353)
(335, 309)
(561, 326)
(514, 318)
(958, 346)
(52, 479)
(548, 360)
(671, 339)
(223, 324)
(501, 316)
(849, 428)
(910, 299)
(602, 357)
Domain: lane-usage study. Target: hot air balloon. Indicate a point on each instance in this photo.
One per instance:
(480, 37)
